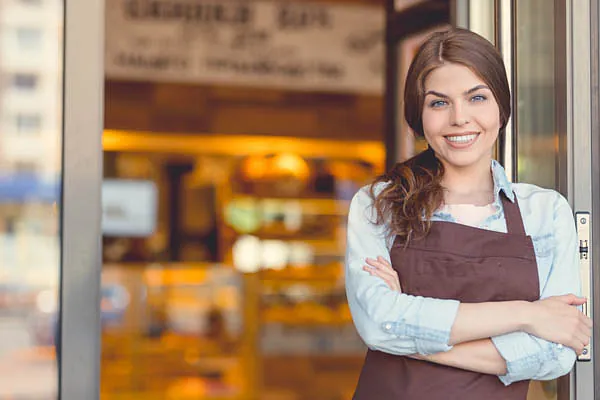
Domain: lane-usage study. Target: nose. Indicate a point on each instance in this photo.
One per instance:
(458, 115)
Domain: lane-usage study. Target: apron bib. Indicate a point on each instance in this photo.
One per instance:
(468, 264)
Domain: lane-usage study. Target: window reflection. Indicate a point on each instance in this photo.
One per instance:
(535, 91)
(535, 111)
(30, 157)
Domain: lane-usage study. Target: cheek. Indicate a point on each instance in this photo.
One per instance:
(433, 122)
(489, 119)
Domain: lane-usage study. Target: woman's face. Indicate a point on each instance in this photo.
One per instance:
(461, 118)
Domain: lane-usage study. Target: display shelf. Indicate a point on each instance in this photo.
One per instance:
(309, 205)
(303, 274)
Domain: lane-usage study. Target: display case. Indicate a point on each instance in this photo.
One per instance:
(238, 293)
(176, 333)
(284, 222)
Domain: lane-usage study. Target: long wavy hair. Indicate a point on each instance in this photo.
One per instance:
(413, 191)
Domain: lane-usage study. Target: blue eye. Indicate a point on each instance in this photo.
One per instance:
(437, 103)
(478, 97)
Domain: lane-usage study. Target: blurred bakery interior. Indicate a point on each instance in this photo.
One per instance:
(225, 206)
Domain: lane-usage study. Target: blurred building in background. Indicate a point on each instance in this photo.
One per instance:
(31, 34)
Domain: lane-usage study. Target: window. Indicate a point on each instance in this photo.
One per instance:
(25, 167)
(24, 81)
(28, 123)
(29, 38)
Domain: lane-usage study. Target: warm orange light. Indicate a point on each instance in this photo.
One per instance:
(287, 164)
(244, 145)
(255, 167)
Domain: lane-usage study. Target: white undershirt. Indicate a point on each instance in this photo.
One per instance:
(469, 214)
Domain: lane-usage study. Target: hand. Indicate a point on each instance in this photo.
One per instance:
(382, 268)
(556, 319)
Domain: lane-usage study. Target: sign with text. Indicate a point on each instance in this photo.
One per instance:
(280, 44)
(129, 207)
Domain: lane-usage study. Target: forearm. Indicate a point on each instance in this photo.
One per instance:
(476, 321)
(478, 356)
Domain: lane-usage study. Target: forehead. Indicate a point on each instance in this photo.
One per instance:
(450, 78)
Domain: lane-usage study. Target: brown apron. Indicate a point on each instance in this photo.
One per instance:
(464, 263)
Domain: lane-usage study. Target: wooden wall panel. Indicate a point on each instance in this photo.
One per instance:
(204, 109)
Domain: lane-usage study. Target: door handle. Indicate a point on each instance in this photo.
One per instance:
(584, 222)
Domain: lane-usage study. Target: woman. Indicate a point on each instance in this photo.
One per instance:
(447, 260)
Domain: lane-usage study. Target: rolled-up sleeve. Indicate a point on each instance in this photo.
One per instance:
(387, 320)
(527, 356)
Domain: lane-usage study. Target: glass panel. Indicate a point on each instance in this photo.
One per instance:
(225, 277)
(535, 90)
(482, 18)
(31, 47)
(535, 112)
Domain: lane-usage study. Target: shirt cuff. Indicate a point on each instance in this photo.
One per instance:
(431, 331)
(522, 360)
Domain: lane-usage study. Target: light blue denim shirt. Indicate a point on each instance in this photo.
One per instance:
(402, 324)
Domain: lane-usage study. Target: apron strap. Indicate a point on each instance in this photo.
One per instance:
(512, 214)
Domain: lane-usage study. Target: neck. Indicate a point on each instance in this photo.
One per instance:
(473, 184)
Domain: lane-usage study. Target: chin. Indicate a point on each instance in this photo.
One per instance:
(462, 160)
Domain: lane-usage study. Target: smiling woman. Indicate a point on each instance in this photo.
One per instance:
(443, 278)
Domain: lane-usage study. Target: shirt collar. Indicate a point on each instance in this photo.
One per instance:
(501, 183)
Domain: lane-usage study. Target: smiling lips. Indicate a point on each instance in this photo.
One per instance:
(462, 141)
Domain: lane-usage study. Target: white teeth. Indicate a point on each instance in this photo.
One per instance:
(461, 139)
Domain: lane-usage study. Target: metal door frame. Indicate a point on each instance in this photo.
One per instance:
(593, 20)
(582, 159)
(83, 83)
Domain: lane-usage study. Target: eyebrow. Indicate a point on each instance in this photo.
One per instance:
(474, 89)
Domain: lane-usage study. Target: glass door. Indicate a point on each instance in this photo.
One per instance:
(548, 140)
(546, 46)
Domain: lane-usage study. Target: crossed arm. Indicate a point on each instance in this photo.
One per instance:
(514, 340)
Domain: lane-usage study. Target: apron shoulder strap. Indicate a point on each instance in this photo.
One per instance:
(512, 214)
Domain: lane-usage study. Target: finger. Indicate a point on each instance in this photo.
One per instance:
(378, 273)
(384, 262)
(572, 299)
(585, 334)
(578, 301)
(391, 281)
(585, 331)
(582, 337)
(576, 345)
(377, 265)
(385, 274)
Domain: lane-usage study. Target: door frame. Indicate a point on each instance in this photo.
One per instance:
(590, 372)
(80, 207)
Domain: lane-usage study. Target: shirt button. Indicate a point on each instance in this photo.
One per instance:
(560, 347)
(388, 327)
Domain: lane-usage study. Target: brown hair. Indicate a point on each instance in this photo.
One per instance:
(414, 191)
